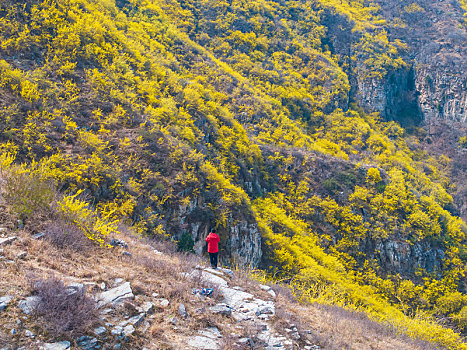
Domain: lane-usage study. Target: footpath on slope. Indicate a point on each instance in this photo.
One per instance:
(143, 295)
(131, 316)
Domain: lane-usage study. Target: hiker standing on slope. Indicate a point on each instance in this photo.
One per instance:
(213, 249)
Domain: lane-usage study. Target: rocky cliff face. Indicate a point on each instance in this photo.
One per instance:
(405, 258)
(436, 38)
(431, 90)
(432, 87)
(394, 96)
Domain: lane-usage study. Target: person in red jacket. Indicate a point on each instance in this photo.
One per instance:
(213, 248)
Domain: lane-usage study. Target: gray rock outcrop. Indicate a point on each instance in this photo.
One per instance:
(4, 301)
(203, 343)
(62, 345)
(29, 304)
(115, 295)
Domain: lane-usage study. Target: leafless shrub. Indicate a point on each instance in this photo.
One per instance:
(159, 266)
(242, 278)
(176, 291)
(164, 246)
(188, 261)
(63, 311)
(63, 235)
(284, 291)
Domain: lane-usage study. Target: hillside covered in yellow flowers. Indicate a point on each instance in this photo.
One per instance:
(291, 126)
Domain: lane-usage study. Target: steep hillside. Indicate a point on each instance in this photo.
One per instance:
(256, 117)
(59, 292)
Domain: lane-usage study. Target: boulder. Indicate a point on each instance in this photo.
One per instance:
(214, 271)
(88, 343)
(211, 332)
(136, 320)
(4, 301)
(182, 311)
(147, 308)
(128, 330)
(115, 295)
(7, 240)
(203, 343)
(235, 297)
(222, 309)
(100, 331)
(29, 304)
(62, 345)
(208, 278)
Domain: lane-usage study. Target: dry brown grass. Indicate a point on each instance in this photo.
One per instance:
(147, 271)
(166, 274)
(335, 328)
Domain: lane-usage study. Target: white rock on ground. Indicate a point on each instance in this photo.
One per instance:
(214, 272)
(118, 330)
(203, 343)
(99, 331)
(211, 332)
(29, 304)
(246, 309)
(147, 308)
(209, 279)
(128, 330)
(222, 309)
(164, 303)
(136, 320)
(182, 311)
(62, 345)
(7, 240)
(4, 301)
(75, 287)
(118, 281)
(235, 298)
(115, 295)
(268, 289)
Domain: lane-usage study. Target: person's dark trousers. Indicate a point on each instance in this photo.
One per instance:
(213, 258)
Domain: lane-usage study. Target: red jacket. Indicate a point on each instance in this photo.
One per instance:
(212, 240)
